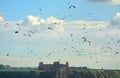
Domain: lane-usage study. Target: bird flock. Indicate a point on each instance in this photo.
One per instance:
(73, 45)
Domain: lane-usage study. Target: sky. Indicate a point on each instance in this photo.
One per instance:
(82, 32)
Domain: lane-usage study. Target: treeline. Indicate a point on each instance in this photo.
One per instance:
(79, 68)
(8, 67)
(4, 66)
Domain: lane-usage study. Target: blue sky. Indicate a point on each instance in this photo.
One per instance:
(50, 31)
(16, 10)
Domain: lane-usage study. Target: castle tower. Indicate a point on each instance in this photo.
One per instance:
(40, 65)
(56, 63)
(67, 66)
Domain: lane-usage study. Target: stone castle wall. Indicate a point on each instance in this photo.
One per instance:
(54, 66)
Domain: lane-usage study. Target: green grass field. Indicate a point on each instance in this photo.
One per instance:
(89, 73)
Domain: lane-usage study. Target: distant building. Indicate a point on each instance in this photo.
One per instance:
(55, 66)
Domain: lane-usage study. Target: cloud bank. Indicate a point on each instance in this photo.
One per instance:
(1, 19)
(35, 22)
(116, 21)
(106, 1)
(59, 25)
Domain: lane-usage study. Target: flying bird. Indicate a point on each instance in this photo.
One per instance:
(72, 6)
(24, 34)
(57, 14)
(49, 28)
(40, 9)
(109, 47)
(18, 24)
(29, 34)
(118, 41)
(48, 54)
(16, 32)
(71, 35)
(60, 38)
(64, 48)
(89, 13)
(84, 38)
(116, 53)
(96, 61)
(91, 57)
(89, 42)
(7, 54)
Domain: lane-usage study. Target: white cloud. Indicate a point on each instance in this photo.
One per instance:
(86, 24)
(107, 1)
(114, 1)
(33, 20)
(1, 19)
(53, 20)
(116, 21)
(36, 23)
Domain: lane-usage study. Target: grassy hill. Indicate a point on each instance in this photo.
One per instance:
(27, 74)
(89, 73)
(95, 74)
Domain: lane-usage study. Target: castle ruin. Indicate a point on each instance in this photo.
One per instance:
(55, 66)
